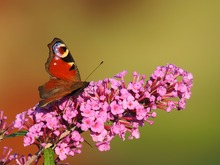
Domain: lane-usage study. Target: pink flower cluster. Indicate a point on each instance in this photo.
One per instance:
(106, 108)
(4, 127)
(110, 107)
(6, 156)
(48, 127)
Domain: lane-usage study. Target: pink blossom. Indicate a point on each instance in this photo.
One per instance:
(69, 114)
(99, 137)
(62, 150)
(161, 90)
(76, 136)
(52, 123)
(141, 112)
(119, 129)
(87, 123)
(36, 130)
(98, 126)
(116, 108)
(103, 146)
(121, 74)
(29, 139)
(20, 120)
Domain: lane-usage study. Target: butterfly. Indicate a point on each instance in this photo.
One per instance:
(64, 74)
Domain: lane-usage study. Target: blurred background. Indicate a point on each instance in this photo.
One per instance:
(127, 35)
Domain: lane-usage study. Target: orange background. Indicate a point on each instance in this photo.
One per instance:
(126, 34)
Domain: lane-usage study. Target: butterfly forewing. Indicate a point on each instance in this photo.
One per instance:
(60, 63)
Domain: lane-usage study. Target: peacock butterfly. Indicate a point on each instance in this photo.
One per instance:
(64, 74)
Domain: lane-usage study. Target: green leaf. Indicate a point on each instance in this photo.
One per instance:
(49, 156)
(19, 133)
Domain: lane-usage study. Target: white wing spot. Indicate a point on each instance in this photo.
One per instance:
(57, 58)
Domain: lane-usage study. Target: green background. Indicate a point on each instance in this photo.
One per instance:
(128, 35)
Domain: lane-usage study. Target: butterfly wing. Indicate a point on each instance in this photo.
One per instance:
(65, 77)
(60, 63)
(55, 89)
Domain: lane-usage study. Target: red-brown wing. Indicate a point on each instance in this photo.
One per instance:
(65, 77)
(60, 63)
(55, 89)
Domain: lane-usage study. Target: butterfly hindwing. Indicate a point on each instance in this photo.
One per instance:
(55, 89)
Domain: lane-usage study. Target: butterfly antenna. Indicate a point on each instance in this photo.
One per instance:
(94, 70)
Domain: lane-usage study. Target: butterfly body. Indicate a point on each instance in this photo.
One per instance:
(65, 78)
